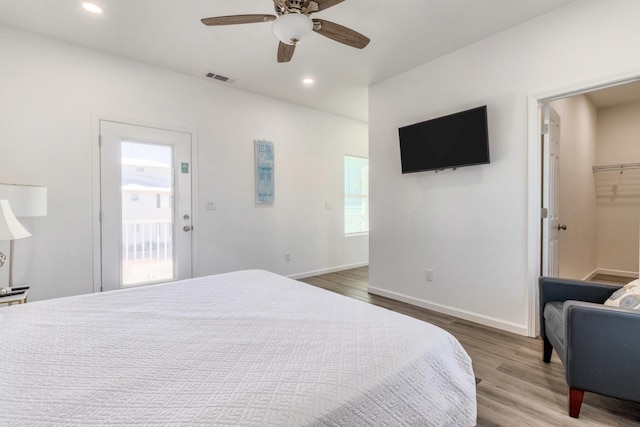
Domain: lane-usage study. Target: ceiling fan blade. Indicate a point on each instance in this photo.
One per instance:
(340, 34)
(238, 19)
(285, 52)
(326, 4)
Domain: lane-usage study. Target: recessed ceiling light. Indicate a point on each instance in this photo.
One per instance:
(308, 81)
(92, 7)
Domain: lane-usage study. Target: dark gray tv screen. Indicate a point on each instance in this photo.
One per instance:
(452, 141)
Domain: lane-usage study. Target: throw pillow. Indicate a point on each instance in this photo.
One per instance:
(627, 296)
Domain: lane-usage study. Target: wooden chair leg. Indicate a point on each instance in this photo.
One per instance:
(575, 401)
(546, 351)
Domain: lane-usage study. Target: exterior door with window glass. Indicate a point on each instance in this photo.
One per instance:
(145, 185)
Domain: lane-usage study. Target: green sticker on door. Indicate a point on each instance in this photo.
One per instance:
(185, 167)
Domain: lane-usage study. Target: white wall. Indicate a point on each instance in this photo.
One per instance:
(51, 94)
(618, 195)
(470, 226)
(578, 243)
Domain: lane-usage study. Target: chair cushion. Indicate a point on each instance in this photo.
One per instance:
(627, 296)
(554, 326)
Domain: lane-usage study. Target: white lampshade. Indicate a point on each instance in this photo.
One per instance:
(25, 200)
(10, 228)
(292, 27)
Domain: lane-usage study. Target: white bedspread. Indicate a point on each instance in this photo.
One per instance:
(248, 348)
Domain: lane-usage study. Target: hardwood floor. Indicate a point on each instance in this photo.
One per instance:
(516, 388)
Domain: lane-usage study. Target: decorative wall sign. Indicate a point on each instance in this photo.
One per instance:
(265, 172)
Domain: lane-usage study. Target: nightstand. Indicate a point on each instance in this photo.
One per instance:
(17, 298)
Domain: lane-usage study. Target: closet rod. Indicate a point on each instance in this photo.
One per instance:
(620, 167)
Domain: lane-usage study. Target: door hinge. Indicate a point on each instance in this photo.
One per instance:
(544, 213)
(99, 141)
(544, 129)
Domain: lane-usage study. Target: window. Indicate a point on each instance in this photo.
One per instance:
(162, 201)
(356, 195)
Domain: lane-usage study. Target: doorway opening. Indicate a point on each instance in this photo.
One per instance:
(576, 178)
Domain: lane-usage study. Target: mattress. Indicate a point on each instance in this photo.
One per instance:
(248, 348)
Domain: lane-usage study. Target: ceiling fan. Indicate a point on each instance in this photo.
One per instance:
(293, 23)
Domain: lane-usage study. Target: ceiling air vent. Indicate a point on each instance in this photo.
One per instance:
(220, 78)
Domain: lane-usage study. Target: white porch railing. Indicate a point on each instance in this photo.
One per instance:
(147, 251)
(356, 223)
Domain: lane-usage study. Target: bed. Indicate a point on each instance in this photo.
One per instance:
(249, 348)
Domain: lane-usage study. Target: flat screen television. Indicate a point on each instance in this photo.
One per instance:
(453, 141)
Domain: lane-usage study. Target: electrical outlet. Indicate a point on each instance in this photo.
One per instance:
(428, 275)
(287, 256)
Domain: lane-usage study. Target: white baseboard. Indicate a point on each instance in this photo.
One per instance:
(591, 275)
(462, 314)
(621, 273)
(327, 270)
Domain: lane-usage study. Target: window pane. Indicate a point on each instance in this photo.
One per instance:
(356, 195)
(147, 226)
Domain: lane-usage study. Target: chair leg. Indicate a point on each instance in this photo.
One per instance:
(575, 401)
(546, 350)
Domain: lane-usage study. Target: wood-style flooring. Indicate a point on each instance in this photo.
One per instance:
(516, 388)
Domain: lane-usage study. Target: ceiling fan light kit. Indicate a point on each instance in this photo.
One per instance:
(292, 28)
(92, 8)
(293, 23)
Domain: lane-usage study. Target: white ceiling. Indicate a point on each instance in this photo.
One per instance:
(169, 34)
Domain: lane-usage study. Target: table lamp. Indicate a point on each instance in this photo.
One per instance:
(19, 201)
(10, 229)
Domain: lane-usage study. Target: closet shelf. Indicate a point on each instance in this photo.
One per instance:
(616, 183)
(616, 168)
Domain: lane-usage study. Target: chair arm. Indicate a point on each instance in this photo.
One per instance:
(558, 289)
(602, 349)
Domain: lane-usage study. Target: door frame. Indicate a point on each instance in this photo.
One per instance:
(96, 243)
(534, 153)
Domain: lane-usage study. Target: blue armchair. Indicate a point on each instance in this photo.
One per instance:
(598, 345)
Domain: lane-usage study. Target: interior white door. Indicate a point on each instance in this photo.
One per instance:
(145, 205)
(550, 191)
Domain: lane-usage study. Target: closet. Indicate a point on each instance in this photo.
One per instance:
(600, 183)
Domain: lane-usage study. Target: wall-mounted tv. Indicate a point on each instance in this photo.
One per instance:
(453, 141)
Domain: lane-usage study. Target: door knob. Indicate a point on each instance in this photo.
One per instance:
(562, 227)
(187, 228)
